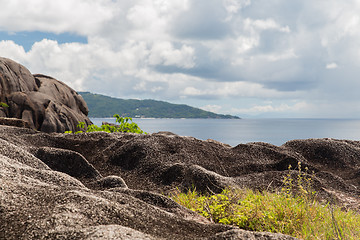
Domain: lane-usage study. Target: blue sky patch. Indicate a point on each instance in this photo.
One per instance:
(27, 39)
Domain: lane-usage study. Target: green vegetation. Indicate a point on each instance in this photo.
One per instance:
(292, 211)
(104, 106)
(4, 105)
(125, 125)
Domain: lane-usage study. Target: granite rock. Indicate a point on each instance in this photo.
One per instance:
(45, 103)
(114, 185)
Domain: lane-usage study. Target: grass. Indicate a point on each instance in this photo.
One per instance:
(291, 211)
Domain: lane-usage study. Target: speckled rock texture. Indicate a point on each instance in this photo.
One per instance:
(45, 103)
(113, 186)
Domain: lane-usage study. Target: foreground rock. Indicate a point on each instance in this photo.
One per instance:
(109, 186)
(45, 103)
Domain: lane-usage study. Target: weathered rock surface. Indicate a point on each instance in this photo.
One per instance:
(45, 103)
(14, 122)
(110, 186)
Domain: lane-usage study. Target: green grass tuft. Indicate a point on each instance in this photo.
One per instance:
(274, 212)
(291, 211)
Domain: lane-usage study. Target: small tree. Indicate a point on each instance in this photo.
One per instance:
(125, 125)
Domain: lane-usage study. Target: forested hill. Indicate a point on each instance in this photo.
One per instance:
(104, 106)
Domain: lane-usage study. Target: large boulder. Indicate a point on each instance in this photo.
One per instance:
(45, 103)
(49, 191)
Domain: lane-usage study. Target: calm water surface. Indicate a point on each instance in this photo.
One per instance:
(235, 131)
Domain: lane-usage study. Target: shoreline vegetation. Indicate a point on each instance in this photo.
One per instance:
(122, 125)
(101, 106)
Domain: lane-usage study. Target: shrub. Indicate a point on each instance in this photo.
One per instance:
(125, 125)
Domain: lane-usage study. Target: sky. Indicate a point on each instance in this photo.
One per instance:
(249, 58)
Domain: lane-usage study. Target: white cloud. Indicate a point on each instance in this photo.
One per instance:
(212, 108)
(331, 66)
(11, 50)
(232, 89)
(163, 53)
(233, 6)
(225, 50)
(260, 24)
(259, 109)
(82, 17)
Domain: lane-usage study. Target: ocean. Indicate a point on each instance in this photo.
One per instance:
(236, 131)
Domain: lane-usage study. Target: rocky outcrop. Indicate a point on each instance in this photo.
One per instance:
(113, 186)
(51, 189)
(45, 103)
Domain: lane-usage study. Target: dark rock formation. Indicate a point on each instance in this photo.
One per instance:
(45, 103)
(110, 186)
(66, 161)
(108, 182)
(14, 122)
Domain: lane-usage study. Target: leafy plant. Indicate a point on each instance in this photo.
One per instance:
(125, 125)
(292, 211)
(4, 105)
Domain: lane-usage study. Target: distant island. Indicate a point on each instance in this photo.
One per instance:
(105, 106)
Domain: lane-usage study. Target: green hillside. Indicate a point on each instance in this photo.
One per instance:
(104, 106)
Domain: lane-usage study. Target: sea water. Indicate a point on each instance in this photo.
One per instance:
(236, 131)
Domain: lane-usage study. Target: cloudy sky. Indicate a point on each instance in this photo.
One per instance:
(250, 58)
